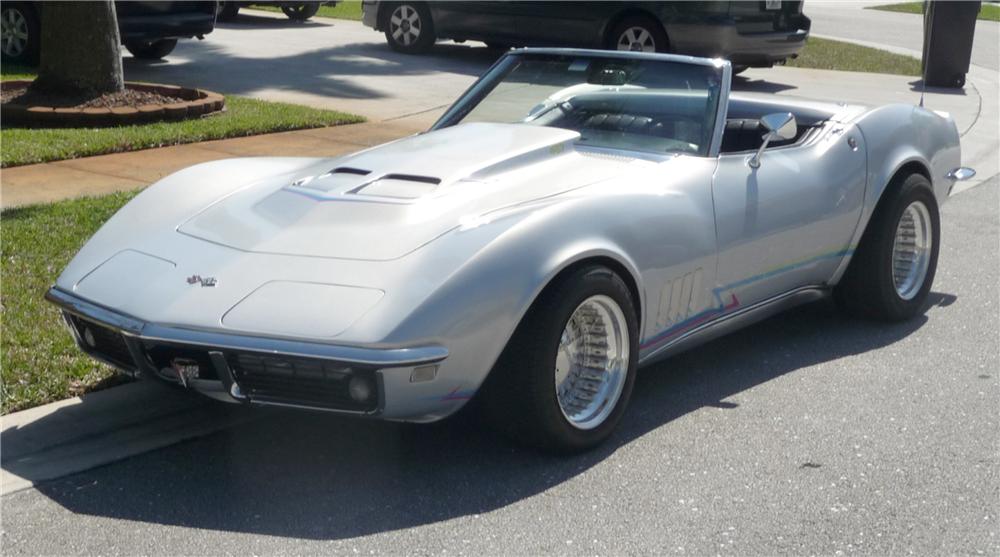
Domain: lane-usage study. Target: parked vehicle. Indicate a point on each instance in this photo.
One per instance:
(298, 11)
(575, 214)
(747, 33)
(149, 30)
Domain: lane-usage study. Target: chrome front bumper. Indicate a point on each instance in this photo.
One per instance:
(236, 367)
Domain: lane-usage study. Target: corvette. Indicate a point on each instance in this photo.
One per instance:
(574, 215)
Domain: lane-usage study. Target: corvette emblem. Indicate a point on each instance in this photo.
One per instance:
(204, 281)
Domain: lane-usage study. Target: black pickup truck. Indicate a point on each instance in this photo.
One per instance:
(149, 30)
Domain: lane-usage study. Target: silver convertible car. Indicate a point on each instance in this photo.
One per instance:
(574, 215)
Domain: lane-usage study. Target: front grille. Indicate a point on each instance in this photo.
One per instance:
(102, 342)
(302, 381)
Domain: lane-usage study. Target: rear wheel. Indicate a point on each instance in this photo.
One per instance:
(300, 12)
(408, 28)
(152, 50)
(565, 378)
(893, 269)
(228, 10)
(638, 34)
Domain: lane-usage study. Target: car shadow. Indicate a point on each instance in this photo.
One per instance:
(742, 83)
(316, 476)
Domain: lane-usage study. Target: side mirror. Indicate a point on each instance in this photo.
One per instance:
(780, 125)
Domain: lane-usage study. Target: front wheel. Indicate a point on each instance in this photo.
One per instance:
(409, 28)
(566, 376)
(154, 50)
(300, 12)
(891, 274)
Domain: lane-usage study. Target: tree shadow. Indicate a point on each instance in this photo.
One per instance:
(244, 20)
(316, 476)
(335, 72)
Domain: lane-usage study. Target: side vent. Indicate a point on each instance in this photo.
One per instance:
(679, 299)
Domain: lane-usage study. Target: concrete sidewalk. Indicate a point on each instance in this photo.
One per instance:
(47, 182)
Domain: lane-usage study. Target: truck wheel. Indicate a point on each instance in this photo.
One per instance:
(565, 378)
(892, 270)
(408, 28)
(20, 34)
(300, 12)
(153, 50)
(638, 34)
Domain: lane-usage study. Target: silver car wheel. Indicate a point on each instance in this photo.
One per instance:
(13, 32)
(592, 362)
(405, 25)
(911, 250)
(636, 39)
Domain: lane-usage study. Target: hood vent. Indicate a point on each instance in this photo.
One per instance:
(401, 186)
(349, 170)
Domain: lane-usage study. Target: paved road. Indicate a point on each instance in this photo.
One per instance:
(807, 434)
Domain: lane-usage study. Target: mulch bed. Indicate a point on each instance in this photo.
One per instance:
(138, 103)
(129, 97)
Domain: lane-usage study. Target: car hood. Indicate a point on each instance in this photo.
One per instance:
(388, 201)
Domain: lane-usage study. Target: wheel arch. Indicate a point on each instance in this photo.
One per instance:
(385, 8)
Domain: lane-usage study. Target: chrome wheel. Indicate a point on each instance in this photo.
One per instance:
(911, 250)
(405, 25)
(592, 362)
(13, 32)
(636, 39)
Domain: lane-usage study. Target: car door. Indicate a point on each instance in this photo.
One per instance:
(476, 20)
(788, 223)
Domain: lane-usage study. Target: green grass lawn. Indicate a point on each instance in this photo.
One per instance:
(988, 12)
(349, 9)
(39, 362)
(825, 54)
(243, 116)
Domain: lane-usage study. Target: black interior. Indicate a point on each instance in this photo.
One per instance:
(744, 132)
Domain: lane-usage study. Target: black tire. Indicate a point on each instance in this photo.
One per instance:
(228, 11)
(519, 397)
(738, 69)
(497, 46)
(300, 12)
(154, 50)
(419, 19)
(868, 289)
(22, 37)
(655, 37)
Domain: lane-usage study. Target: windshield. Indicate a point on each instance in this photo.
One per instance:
(620, 103)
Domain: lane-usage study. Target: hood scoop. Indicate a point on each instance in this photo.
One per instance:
(421, 165)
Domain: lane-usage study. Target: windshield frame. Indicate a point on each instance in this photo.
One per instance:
(494, 75)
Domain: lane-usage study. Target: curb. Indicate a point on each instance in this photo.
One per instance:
(69, 436)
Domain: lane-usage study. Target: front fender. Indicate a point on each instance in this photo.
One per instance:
(477, 308)
(160, 208)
